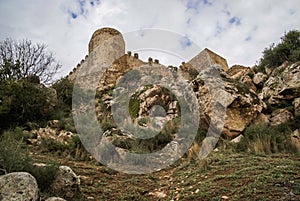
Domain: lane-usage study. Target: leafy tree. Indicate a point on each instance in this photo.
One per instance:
(288, 49)
(23, 66)
(22, 59)
(64, 90)
(22, 101)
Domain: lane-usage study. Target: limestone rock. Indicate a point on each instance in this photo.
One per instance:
(66, 183)
(259, 78)
(55, 199)
(241, 104)
(284, 83)
(296, 134)
(237, 139)
(53, 123)
(157, 95)
(237, 71)
(18, 186)
(281, 116)
(261, 119)
(297, 107)
(61, 136)
(295, 139)
(158, 194)
(246, 80)
(270, 89)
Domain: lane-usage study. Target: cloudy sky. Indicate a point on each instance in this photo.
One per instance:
(238, 30)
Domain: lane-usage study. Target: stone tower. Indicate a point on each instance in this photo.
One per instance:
(106, 45)
(110, 38)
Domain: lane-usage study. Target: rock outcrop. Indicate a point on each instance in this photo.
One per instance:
(259, 78)
(242, 106)
(281, 116)
(66, 183)
(18, 186)
(51, 131)
(283, 84)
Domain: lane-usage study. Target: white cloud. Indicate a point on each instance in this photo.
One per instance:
(238, 30)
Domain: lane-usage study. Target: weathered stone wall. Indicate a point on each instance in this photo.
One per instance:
(208, 58)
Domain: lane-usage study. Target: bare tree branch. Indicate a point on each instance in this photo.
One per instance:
(22, 59)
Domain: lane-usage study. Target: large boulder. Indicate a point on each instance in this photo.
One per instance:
(18, 186)
(259, 78)
(283, 84)
(66, 183)
(281, 116)
(238, 71)
(241, 104)
(261, 119)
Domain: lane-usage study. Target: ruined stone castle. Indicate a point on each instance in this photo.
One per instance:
(114, 50)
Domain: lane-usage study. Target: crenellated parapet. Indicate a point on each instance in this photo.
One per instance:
(107, 48)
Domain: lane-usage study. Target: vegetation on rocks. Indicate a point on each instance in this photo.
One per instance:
(36, 126)
(288, 49)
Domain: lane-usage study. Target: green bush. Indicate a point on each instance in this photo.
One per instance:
(288, 49)
(14, 157)
(23, 102)
(64, 91)
(107, 126)
(44, 175)
(53, 146)
(143, 121)
(267, 139)
(77, 149)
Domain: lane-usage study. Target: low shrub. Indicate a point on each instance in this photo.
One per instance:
(44, 175)
(263, 138)
(53, 146)
(14, 157)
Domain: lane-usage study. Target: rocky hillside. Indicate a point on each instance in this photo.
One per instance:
(244, 96)
(232, 111)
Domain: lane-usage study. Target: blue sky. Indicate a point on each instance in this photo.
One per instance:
(237, 30)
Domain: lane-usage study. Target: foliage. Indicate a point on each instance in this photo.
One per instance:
(263, 138)
(21, 59)
(288, 49)
(53, 145)
(44, 175)
(64, 91)
(134, 106)
(77, 149)
(107, 126)
(21, 102)
(14, 157)
(74, 148)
